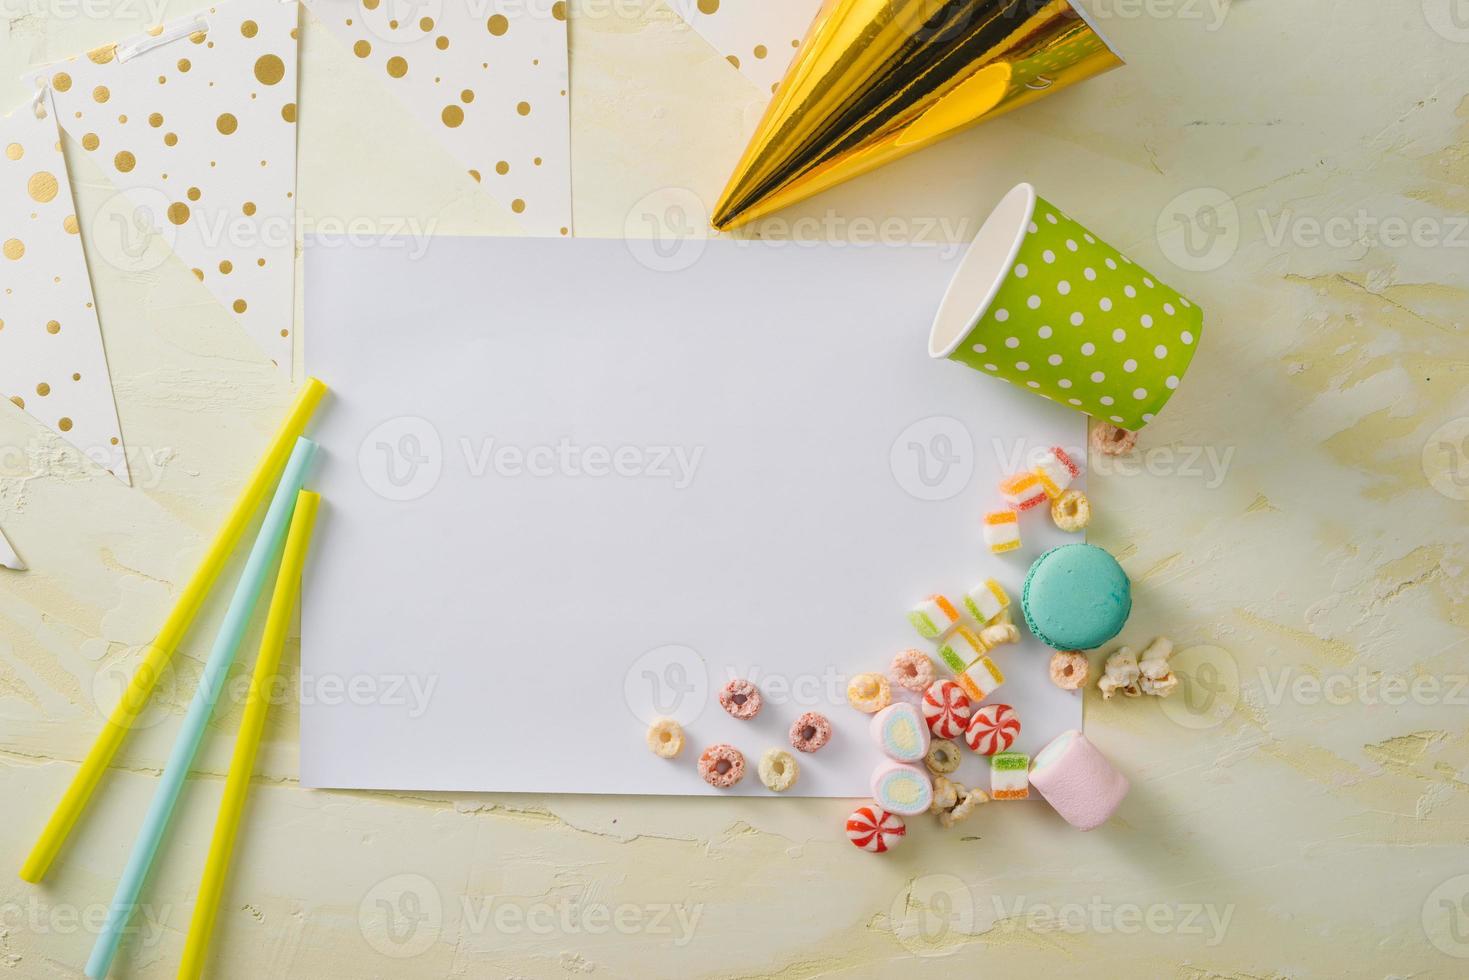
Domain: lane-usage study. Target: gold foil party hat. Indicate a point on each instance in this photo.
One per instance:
(877, 79)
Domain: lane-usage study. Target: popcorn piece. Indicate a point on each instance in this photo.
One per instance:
(946, 709)
(1055, 471)
(1010, 776)
(665, 738)
(810, 732)
(943, 757)
(901, 789)
(722, 766)
(741, 699)
(1155, 676)
(992, 729)
(869, 693)
(901, 732)
(913, 669)
(1111, 440)
(946, 795)
(962, 649)
(1002, 530)
(1120, 673)
(1023, 491)
(1069, 669)
(933, 617)
(986, 601)
(999, 634)
(968, 800)
(778, 770)
(1072, 511)
(981, 679)
(873, 829)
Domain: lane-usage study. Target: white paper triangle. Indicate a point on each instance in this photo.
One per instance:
(759, 37)
(487, 79)
(195, 122)
(8, 557)
(51, 359)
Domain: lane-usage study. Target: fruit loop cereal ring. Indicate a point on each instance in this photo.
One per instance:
(869, 693)
(873, 829)
(741, 699)
(722, 765)
(913, 669)
(1071, 511)
(992, 729)
(778, 770)
(810, 732)
(665, 738)
(1111, 440)
(946, 709)
(1069, 669)
(943, 757)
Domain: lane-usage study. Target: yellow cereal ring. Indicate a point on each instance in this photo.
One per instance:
(665, 738)
(778, 770)
(1072, 511)
(869, 693)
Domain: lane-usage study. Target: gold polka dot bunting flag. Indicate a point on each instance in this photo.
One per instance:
(51, 358)
(759, 37)
(194, 121)
(488, 80)
(8, 557)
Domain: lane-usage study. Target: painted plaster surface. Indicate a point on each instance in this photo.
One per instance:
(1296, 521)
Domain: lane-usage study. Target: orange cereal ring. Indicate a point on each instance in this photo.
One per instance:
(869, 693)
(1112, 440)
(741, 699)
(722, 765)
(1069, 669)
(913, 669)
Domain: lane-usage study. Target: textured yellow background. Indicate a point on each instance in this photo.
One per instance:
(1301, 517)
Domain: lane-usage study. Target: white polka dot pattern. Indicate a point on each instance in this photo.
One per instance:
(1085, 326)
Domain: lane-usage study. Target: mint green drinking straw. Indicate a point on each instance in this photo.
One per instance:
(263, 555)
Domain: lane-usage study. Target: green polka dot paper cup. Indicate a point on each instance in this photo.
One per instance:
(1043, 303)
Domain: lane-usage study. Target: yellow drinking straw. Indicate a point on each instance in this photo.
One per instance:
(247, 742)
(160, 651)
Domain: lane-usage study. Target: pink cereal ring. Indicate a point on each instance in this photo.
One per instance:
(810, 732)
(721, 766)
(741, 699)
(1112, 440)
(913, 669)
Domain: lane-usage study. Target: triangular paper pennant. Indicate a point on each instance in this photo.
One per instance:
(51, 358)
(8, 557)
(195, 121)
(759, 37)
(489, 80)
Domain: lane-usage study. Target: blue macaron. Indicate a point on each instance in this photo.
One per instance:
(1076, 597)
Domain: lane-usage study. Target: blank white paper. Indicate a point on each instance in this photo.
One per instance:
(566, 492)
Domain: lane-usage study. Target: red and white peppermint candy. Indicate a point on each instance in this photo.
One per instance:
(874, 829)
(992, 729)
(946, 709)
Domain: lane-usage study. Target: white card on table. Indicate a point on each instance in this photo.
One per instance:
(566, 492)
